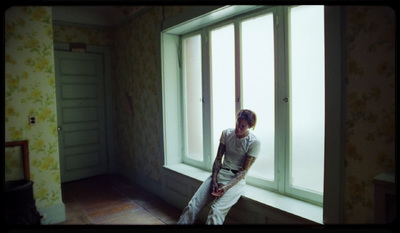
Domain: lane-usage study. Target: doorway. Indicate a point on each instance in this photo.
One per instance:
(83, 116)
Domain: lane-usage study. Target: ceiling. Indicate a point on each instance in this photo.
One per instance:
(103, 16)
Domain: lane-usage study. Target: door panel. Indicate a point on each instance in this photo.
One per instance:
(79, 91)
(80, 114)
(81, 138)
(77, 115)
(82, 161)
(81, 66)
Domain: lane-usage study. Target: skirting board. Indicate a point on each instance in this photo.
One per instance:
(53, 214)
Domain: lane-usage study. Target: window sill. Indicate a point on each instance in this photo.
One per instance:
(286, 204)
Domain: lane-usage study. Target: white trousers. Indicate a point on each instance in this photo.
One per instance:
(220, 206)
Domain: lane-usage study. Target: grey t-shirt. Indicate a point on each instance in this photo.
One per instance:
(236, 149)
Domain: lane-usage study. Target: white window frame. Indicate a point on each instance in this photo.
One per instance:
(185, 158)
(170, 32)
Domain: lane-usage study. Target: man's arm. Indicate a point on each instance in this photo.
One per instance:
(217, 166)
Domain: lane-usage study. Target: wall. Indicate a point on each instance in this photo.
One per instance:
(370, 91)
(30, 90)
(370, 106)
(137, 93)
(74, 34)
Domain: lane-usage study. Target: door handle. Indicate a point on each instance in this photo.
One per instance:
(59, 128)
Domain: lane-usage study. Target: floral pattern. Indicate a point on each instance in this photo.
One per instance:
(137, 91)
(29, 78)
(63, 33)
(370, 106)
(136, 95)
(30, 91)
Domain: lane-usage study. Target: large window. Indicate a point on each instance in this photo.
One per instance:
(272, 62)
(307, 91)
(192, 98)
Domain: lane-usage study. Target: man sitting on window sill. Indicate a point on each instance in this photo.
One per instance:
(226, 184)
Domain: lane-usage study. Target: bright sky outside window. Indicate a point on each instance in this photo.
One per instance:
(307, 91)
(223, 81)
(258, 80)
(281, 54)
(193, 103)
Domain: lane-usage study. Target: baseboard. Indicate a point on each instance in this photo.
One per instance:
(53, 214)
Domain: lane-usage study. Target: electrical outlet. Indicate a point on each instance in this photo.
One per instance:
(32, 120)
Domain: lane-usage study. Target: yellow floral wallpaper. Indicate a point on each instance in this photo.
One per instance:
(370, 106)
(30, 91)
(29, 79)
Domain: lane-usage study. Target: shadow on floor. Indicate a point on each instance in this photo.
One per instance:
(113, 199)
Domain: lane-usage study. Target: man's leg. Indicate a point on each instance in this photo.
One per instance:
(222, 205)
(200, 199)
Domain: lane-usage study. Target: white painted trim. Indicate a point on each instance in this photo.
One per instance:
(171, 106)
(53, 214)
(202, 16)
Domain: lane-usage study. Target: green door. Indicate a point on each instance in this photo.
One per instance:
(80, 115)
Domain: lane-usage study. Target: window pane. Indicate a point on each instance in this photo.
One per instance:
(258, 80)
(307, 91)
(193, 93)
(222, 81)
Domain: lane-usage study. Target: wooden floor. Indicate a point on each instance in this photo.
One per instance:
(111, 200)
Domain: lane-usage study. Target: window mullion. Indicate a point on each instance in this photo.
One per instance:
(238, 73)
(281, 131)
(207, 135)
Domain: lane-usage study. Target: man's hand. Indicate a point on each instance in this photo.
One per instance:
(238, 176)
(220, 191)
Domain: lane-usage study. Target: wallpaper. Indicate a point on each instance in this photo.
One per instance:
(63, 33)
(370, 106)
(137, 91)
(137, 95)
(30, 91)
(369, 141)
(136, 88)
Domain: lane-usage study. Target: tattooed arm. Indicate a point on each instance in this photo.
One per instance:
(217, 166)
(239, 175)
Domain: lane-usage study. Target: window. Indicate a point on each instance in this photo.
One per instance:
(271, 61)
(192, 98)
(307, 108)
(258, 87)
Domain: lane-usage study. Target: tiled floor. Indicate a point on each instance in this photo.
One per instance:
(112, 199)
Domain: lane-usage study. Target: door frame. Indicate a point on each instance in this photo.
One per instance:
(108, 106)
